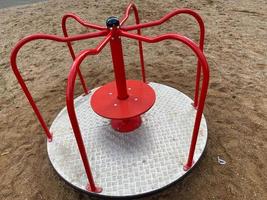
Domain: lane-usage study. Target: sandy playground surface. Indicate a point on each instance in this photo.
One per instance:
(236, 108)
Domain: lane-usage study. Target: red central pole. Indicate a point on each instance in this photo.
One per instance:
(117, 58)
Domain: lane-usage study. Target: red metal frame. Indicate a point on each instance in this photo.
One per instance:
(65, 32)
(137, 21)
(71, 109)
(205, 81)
(201, 37)
(113, 37)
(13, 61)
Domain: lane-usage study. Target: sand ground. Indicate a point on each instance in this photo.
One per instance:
(236, 108)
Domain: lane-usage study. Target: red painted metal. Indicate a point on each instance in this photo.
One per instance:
(64, 29)
(205, 81)
(72, 114)
(118, 64)
(105, 103)
(201, 37)
(137, 21)
(127, 116)
(126, 125)
(14, 66)
(82, 22)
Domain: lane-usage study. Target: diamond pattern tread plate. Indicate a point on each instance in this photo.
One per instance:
(136, 163)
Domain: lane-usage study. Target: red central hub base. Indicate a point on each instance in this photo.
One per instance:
(126, 125)
(124, 114)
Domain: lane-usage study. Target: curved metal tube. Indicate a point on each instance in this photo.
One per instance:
(13, 61)
(201, 38)
(169, 16)
(71, 108)
(82, 22)
(205, 81)
(137, 21)
(127, 13)
(64, 29)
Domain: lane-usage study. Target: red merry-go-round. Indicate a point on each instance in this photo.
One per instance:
(126, 138)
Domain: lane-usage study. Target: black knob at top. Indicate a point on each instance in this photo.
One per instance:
(112, 21)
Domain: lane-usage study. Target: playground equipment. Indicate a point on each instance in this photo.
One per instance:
(139, 136)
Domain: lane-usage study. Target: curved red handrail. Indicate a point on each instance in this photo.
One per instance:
(137, 21)
(82, 22)
(169, 16)
(71, 109)
(64, 29)
(205, 81)
(201, 37)
(13, 61)
(127, 14)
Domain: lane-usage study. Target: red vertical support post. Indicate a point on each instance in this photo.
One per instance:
(201, 46)
(137, 21)
(141, 53)
(117, 58)
(72, 114)
(64, 29)
(74, 122)
(142, 58)
(198, 118)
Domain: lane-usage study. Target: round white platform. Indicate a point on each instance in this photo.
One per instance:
(133, 164)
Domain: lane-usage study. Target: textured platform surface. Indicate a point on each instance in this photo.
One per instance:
(136, 163)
